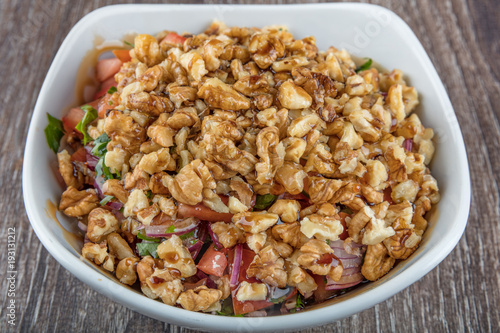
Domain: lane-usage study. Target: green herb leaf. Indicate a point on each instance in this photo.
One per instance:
(100, 144)
(110, 102)
(106, 199)
(101, 169)
(264, 201)
(146, 249)
(300, 303)
(149, 194)
(90, 116)
(54, 132)
(142, 235)
(364, 66)
(279, 299)
(328, 241)
(129, 44)
(227, 309)
(171, 229)
(112, 90)
(188, 235)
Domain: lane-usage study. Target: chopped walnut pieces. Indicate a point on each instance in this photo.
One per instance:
(71, 176)
(318, 257)
(377, 262)
(124, 131)
(224, 151)
(251, 292)
(298, 277)
(217, 94)
(287, 210)
(321, 227)
(243, 189)
(265, 49)
(147, 50)
(227, 233)
(188, 184)
(268, 267)
(78, 203)
(202, 125)
(200, 298)
(163, 285)
(114, 188)
(290, 233)
(291, 176)
(292, 96)
(101, 223)
(175, 255)
(126, 270)
(255, 222)
(271, 153)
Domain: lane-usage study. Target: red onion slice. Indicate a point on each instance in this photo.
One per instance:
(351, 262)
(181, 227)
(115, 205)
(82, 226)
(214, 237)
(195, 249)
(408, 144)
(98, 184)
(91, 159)
(342, 286)
(238, 256)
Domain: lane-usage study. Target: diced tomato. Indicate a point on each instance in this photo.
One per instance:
(107, 102)
(105, 87)
(320, 294)
(123, 55)
(79, 155)
(344, 234)
(203, 213)
(173, 38)
(387, 195)
(247, 306)
(213, 262)
(72, 118)
(106, 68)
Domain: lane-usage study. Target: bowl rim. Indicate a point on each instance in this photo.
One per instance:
(160, 311)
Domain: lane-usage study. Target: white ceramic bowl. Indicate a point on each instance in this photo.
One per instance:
(364, 30)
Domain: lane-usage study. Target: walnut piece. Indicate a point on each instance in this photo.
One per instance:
(200, 298)
(101, 223)
(255, 222)
(268, 267)
(318, 257)
(377, 262)
(78, 203)
(227, 233)
(175, 255)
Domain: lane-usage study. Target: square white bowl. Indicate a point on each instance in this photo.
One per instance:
(365, 31)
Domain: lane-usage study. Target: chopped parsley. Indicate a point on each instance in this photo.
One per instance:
(364, 66)
(106, 199)
(299, 304)
(171, 229)
(112, 90)
(149, 194)
(54, 132)
(188, 235)
(100, 144)
(101, 169)
(90, 116)
(141, 235)
(146, 249)
(264, 201)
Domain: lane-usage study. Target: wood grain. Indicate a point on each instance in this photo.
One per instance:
(461, 295)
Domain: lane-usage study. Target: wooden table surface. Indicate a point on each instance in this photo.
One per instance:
(461, 294)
